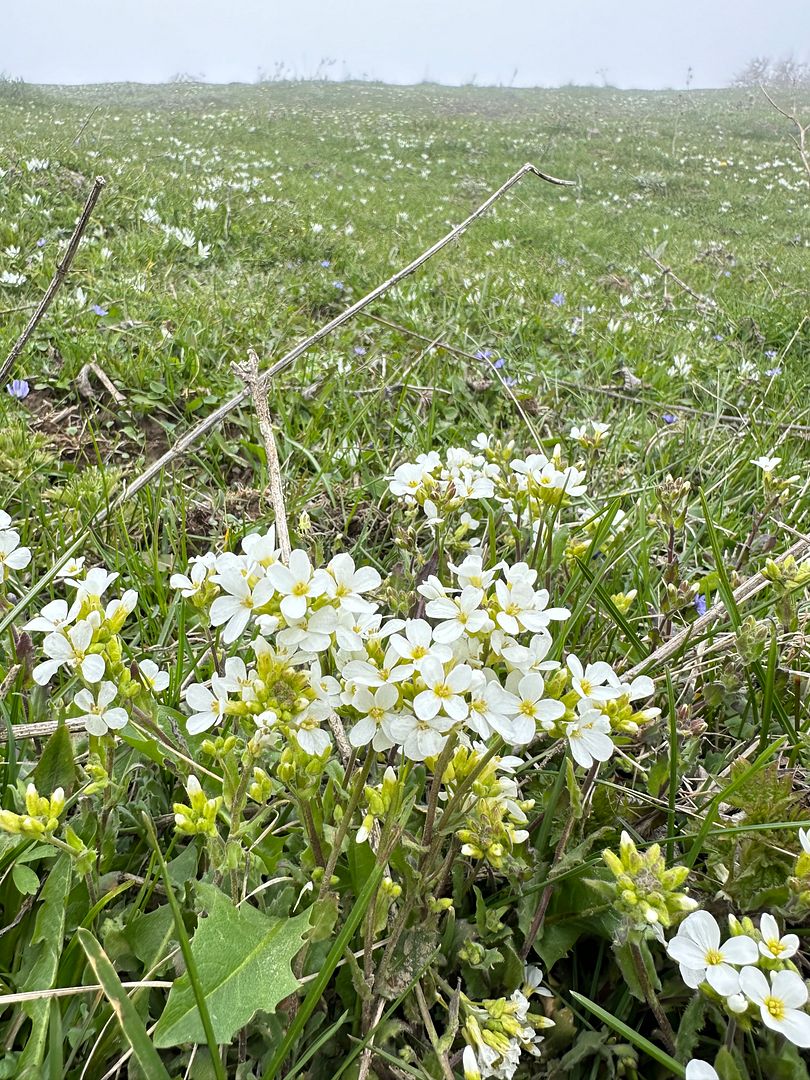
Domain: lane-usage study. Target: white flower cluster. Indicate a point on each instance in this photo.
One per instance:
(498, 1032)
(472, 665)
(524, 487)
(81, 639)
(12, 556)
(752, 971)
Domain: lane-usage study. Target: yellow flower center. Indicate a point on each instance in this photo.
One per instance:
(714, 956)
(775, 946)
(418, 651)
(442, 691)
(528, 708)
(300, 588)
(776, 1007)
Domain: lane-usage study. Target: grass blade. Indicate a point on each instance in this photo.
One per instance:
(633, 1037)
(128, 1016)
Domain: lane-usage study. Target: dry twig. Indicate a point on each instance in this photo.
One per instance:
(249, 374)
(60, 273)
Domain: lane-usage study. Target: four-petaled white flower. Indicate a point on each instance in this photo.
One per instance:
(297, 583)
(419, 738)
(98, 717)
(766, 463)
(71, 650)
(596, 681)
(153, 677)
(235, 606)
(12, 556)
(532, 710)
(54, 616)
(458, 615)
(773, 945)
(208, 705)
(589, 737)
(780, 1003)
(697, 950)
(444, 691)
(347, 583)
(377, 707)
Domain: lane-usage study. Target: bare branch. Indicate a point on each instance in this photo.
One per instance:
(60, 273)
(249, 373)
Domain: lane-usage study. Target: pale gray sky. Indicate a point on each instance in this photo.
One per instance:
(643, 43)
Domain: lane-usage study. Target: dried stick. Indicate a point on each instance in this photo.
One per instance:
(199, 431)
(750, 587)
(249, 373)
(60, 273)
(667, 272)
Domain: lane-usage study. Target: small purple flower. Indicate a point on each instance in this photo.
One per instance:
(669, 418)
(97, 309)
(339, 285)
(718, 337)
(41, 242)
(511, 380)
(18, 388)
(499, 363)
(561, 261)
(770, 353)
(483, 354)
(773, 372)
(325, 263)
(359, 350)
(700, 604)
(558, 299)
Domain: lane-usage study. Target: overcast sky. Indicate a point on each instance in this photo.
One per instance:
(643, 43)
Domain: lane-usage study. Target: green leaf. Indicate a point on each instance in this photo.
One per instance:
(691, 1025)
(42, 964)
(24, 878)
(57, 767)
(727, 1066)
(243, 960)
(128, 1017)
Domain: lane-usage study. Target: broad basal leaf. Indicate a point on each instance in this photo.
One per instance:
(243, 960)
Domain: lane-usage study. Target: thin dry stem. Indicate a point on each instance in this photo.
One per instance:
(60, 273)
(249, 373)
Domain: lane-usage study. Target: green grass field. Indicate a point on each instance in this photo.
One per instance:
(665, 295)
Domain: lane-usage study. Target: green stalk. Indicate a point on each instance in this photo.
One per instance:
(188, 955)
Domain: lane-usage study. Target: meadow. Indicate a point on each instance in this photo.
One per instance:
(502, 769)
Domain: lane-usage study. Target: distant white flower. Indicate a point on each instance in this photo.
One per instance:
(767, 464)
(70, 649)
(780, 1003)
(804, 840)
(200, 569)
(773, 945)
(680, 366)
(98, 717)
(701, 958)
(73, 568)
